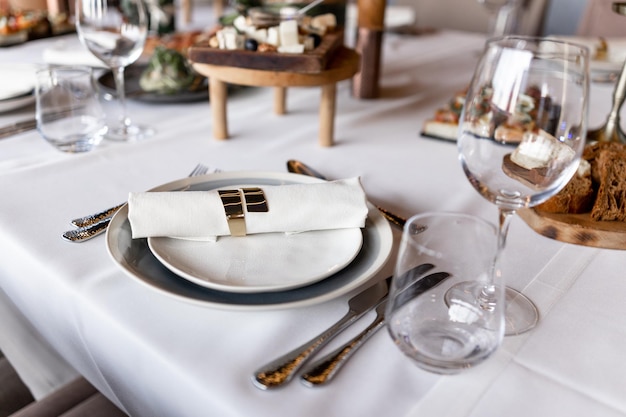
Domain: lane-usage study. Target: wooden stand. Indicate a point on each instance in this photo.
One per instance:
(343, 65)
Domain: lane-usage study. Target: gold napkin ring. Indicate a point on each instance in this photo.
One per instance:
(255, 200)
(233, 207)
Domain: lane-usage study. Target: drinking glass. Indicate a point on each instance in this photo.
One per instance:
(115, 32)
(445, 335)
(521, 134)
(503, 16)
(68, 112)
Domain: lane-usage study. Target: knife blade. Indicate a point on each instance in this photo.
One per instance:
(18, 127)
(325, 369)
(282, 370)
(298, 167)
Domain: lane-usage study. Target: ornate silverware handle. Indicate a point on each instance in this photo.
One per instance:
(282, 369)
(96, 218)
(85, 233)
(326, 368)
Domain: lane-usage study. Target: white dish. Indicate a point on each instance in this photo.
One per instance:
(16, 80)
(16, 103)
(262, 262)
(134, 257)
(17, 85)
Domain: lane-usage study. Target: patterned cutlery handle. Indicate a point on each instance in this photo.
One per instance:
(96, 218)
(325, 369)
(87, 232)
(282, 369)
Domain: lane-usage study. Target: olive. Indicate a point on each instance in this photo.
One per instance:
(251, 44)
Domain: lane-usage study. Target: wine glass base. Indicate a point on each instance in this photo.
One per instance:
(520, 316)
(130, 133)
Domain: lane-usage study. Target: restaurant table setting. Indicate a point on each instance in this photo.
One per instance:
(165, 326)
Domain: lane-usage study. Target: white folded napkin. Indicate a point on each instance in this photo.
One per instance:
(200, 215)
(71, 53)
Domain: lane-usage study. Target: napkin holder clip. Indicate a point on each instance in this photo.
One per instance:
(255, 201)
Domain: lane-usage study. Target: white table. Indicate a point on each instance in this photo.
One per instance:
(154, 355)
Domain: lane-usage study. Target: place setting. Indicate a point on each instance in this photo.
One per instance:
(200, 258)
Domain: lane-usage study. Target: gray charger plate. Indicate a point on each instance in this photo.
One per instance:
(133, 256)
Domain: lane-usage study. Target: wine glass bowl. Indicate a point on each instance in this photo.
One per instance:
(115, 32)
(522, 132)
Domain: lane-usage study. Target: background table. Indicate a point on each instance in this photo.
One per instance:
(154, 355)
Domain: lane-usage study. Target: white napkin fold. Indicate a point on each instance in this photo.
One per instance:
(200, 215)
(70, 53)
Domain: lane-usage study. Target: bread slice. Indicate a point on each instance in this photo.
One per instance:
(592, 152)
(610, 203)
(576, 197)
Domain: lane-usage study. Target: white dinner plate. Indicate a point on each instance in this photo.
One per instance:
(17, 85)
(134, 257)
(261, 262)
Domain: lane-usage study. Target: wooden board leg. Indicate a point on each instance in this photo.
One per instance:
(280, 100)
(217, 95)
(327, 115)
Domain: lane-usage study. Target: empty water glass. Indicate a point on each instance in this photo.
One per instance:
(68, 111)
(442, 330)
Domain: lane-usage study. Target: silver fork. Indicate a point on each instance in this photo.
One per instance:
(95, 224)
(200, 169)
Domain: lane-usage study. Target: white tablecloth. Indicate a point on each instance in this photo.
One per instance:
(155, 355)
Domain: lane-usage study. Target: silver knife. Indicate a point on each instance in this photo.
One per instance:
(18, 127)
(325, 369)
(301, 168)
(283, 369)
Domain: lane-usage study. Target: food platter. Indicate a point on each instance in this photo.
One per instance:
(578, 229)
(134, 92)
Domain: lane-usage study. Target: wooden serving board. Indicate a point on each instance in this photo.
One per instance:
(578, 229)
(314, 61)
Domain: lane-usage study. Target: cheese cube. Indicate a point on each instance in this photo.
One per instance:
(541, 150)
(288, 31)
(273, 37)
(229, 38)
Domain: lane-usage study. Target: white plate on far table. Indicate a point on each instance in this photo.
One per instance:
(17, 85)
(261, 262)
(135, 259)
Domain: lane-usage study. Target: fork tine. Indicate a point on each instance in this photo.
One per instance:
(200, 169)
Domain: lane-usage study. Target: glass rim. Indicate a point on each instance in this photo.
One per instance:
(450, 214)
(577, 48)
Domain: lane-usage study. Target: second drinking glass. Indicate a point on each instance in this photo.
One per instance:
(115, 32)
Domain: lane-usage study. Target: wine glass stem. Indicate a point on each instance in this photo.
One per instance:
(488, 296)
(501, 21)
(118, 73)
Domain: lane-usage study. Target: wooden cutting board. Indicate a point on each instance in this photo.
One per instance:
(314, 61)
(578, 229)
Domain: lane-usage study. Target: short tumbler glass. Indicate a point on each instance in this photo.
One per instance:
(68, 110)
(441, 331)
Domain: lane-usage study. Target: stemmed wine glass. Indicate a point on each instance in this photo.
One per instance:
(115, 32)
(503, 16)
(521, 135)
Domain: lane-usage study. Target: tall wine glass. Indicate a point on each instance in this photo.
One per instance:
(521, 135)
(115, 32)
(503, 16)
